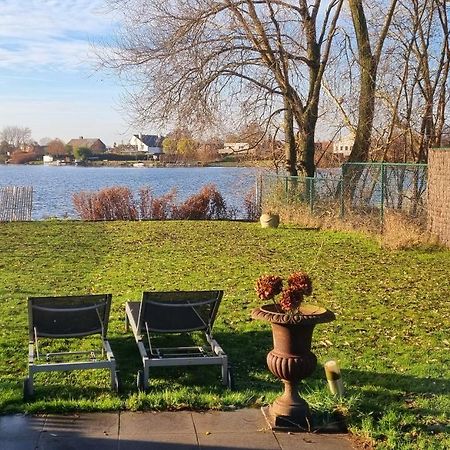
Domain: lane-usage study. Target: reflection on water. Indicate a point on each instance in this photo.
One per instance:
(54, 186)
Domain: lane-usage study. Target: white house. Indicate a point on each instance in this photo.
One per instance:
(344, 145)
(47, 159)
(235, 148)
(148, 143)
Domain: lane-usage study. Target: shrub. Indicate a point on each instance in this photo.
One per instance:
(82, 153)
(208, 204)
(114, 203)
(156, 208)
(252, 210)
(117, 203)
(19, 157)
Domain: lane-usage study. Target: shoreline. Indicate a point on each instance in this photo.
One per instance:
(149, 164)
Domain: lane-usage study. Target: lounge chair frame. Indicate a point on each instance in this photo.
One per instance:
(176, 312)
(68, 317)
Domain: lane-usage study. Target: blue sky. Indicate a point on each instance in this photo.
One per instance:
(47, 77)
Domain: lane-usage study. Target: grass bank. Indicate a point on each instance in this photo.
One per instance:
(391, 334)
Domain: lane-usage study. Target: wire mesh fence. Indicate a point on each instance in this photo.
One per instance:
(357, 189)
(386, 186)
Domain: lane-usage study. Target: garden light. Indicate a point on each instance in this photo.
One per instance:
(333, 374)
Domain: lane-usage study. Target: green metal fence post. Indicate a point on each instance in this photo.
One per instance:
(259, 193)
(341, 193)
(311, 194)
(383, 187)
(286, 188)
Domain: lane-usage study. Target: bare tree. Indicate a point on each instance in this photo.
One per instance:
(45, 140)
(56, 147)
(412, 88)
(369, 55)
(427, 45)
(191, 59)
(16, 136)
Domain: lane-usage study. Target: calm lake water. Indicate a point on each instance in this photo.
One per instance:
(54, 186)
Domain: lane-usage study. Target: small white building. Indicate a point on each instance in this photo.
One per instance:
(47, 159)
(344, 145)
(147, 143)
(235, 148)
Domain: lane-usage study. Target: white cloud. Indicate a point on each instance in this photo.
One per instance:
(41, 32)
(47, 81)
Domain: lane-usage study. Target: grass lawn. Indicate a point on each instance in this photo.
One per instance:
(391, 334)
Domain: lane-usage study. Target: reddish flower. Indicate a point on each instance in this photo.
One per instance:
(301, 282)
(290, 299)
(267, 286)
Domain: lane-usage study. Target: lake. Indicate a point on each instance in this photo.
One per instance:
(53, 186)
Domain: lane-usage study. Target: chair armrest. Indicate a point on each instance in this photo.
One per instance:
(107, 347)
(216, 348)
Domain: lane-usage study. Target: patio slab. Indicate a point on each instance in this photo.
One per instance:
(19, 432)
(184, 430)
(241, 420)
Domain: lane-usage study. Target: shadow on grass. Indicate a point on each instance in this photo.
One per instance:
(399, 382)
(398, 395)
(200, 387)
(246, 352)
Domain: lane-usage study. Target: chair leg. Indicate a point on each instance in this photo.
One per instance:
(114, 382)
(28, 386)
(225, 371)
(146, 376)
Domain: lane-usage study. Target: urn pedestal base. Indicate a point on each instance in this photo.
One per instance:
(289, 412)
(298, 422)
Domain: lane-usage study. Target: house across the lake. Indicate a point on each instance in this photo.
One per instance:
(236, 148)
(93, 144)
(344, 145)
(147, 143)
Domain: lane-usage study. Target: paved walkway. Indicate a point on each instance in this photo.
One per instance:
(241, 429)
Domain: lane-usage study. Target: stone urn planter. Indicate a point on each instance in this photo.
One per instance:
(269, 220)
(291, 360)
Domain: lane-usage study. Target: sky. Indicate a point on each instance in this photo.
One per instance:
(48, 79)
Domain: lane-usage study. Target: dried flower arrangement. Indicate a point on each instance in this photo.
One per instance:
(299, 284)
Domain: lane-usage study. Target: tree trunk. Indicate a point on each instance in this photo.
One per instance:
(307, 145)
(368, 65)
(366, 106)
(290, 145)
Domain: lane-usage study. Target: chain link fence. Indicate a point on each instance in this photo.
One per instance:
(367, 190)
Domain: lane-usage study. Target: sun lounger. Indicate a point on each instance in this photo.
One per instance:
(182, 313)
(64, 318)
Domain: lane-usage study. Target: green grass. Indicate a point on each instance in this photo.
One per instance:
(391, 333)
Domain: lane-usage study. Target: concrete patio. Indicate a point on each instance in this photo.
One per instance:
(241, 429)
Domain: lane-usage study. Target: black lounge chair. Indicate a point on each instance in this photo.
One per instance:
(68, 317)
(177, 312)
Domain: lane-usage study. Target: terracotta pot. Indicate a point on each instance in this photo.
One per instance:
(269, 220)
(291, 360)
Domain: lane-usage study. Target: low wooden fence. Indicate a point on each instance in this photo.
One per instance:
(16, 203)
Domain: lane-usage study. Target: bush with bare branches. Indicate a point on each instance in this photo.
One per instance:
(252, 209)
(156, 208)
(208, 204)
(113, 203)
(118, 203)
